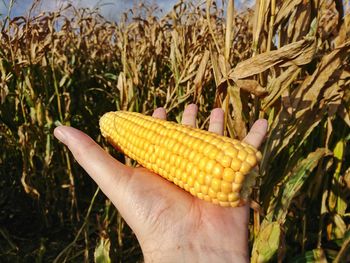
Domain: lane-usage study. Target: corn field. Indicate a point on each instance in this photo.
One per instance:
(286, 61)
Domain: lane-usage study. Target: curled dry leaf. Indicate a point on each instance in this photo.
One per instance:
(298, 53)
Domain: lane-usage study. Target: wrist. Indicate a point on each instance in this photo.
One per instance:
(194, 253)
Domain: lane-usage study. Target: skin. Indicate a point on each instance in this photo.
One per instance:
(170, 224)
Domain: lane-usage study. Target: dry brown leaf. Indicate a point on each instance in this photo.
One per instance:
(239, 126)
(299, 26)
(277, 86)
(200, 74)
(251, 86)
(299, 53)
(327, 69)
(323, 84)
(286, 10)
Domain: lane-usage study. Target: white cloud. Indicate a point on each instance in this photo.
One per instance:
(111, 9)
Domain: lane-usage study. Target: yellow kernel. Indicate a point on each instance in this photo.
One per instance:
(182, 149)
(181, 184)
(172, 170)
(171, 144)
(196, 143)
(208, 148)
(251, 159)
(175, 133)
(191, 141)
(209, 165)
(155, 168)
(233, 196)
(178, 174)
(176, 147)
(242, 154)
(183, 164)
(245, 168)
(204, 189)
(239, 146)
(187, 152)
(184, 177)
(200, 195)
(206, 198)
(178, 161)
(217, 170)
(172, 159)
(201, 146)
(224, 204)
(197, 187)
(207, 179)
(189, 167)
(258, 156)
(222, 197)
(181, 136)
(215, 184)
(236, 164)
(152, 158)
(213, 153)
(185, 140)
(236, 187)
(190, 181)
(202, 163)
(232, 152)
(226, 187)
(211, 193)
(239, 178)
(186, 187)
(192, 155)
(217, 141)
(235, 203)
(201, 178)
(194, 172)
(167, 167)
(206, 137)
(250, 150)
(149, 135)
(197, 158)
(225, 161)
(158, 162)
(228, 175)
(192, 191)
(227, 144)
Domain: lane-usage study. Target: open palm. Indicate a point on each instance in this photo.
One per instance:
(170, 224)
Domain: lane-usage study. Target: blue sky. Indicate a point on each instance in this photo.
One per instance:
(109, 8)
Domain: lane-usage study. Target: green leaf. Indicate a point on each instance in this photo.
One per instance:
(267, 242)
(101, 254)
(294, 181)
(316, 255)
(111, 76)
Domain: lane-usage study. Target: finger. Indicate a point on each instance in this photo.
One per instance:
(257, 133)
(103, 168)
(190, 115)
(216, 123)
(159, 113)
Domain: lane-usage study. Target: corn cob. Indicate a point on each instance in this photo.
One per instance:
(212, 167)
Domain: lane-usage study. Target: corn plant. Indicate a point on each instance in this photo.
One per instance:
(286, 61)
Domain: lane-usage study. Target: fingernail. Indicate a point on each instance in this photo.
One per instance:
(216, 113)
(59, 134)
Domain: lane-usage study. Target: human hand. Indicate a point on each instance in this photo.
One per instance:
(170, 224)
